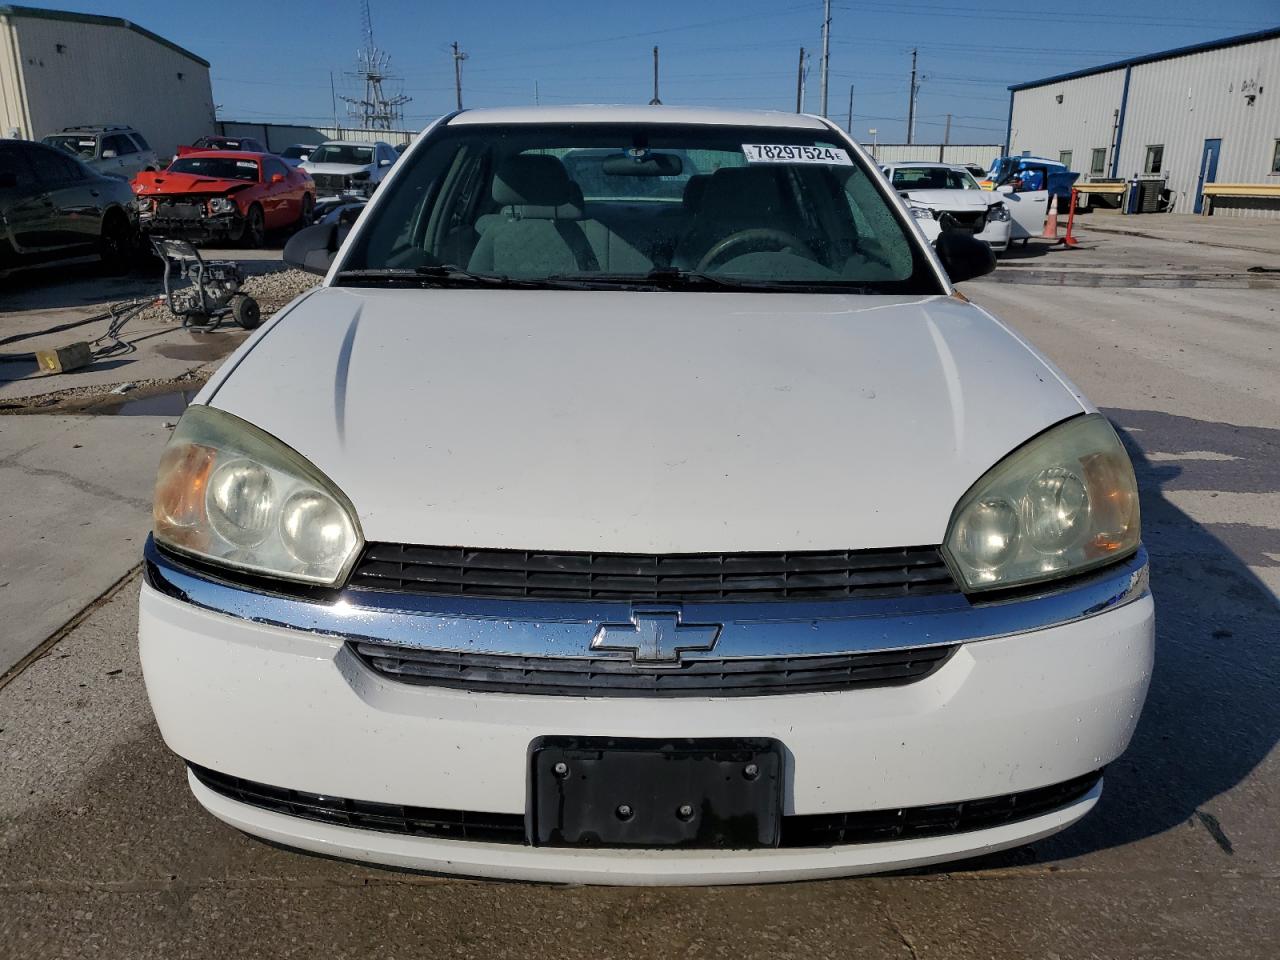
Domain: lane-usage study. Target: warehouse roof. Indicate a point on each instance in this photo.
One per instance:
(37, 14)
(1260, 35)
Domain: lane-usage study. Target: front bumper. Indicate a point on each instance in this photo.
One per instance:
(995, 233)
(297, 709)
(210, 227)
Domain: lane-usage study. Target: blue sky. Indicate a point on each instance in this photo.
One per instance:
(272, 61)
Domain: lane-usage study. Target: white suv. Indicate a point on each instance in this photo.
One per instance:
(111, 150)
(344, 168)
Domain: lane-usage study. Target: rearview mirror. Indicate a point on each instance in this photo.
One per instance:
(313, 248)
(963, 256)
(652, 165)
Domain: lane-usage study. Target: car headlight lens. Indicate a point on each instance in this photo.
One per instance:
(221, 205)
(1062, 504)
(921, 213)
(230, 494)
(360, 175)
(997, 211)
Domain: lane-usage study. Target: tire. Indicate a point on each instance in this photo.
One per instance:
(116, 245)
(308, 213)
(254, 233)
(245, 311)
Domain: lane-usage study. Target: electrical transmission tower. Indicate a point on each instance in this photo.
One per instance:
(376, 110)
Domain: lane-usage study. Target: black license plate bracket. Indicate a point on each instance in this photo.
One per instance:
(626, 792)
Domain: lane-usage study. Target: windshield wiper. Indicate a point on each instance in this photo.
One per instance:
(449, 276)
(672, 278)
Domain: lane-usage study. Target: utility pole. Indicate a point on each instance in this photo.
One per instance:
(656, 101)
(875, 142)
(849, 126)
(333, 97)
(800, 84)
(536, 101)
(458, 57)
(911, 104)
(946, 140)
(826, 50)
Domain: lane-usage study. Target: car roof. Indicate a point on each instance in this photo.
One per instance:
(587, 113)
(97, 128)
(352, 143)
(934, 165)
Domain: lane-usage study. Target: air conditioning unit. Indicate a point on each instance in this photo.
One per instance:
(1145, 192)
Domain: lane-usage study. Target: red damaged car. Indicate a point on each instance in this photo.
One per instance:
(224, 196)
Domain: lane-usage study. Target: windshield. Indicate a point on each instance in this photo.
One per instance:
(296, 152)
(81, 146)
(605, 204)
(221, 168)
(342, 153)
(932, 178)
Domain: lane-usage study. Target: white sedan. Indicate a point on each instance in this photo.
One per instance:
(945, 197)
(671, 520)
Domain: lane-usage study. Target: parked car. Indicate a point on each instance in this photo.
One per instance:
(944, 197)
(110, 149)
(978, 173)
(224, 195)
(53, 208)
(625, 541)
(1028, 184)
(347, 168)
(232, 144)
(295, 154)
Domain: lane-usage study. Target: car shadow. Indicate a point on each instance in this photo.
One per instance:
(1212, 714)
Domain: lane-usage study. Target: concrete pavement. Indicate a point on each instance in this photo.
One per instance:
(105, 854)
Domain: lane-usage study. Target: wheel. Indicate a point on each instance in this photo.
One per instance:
(308, 211)
(245, 310)
(255, 228)
(116, 245)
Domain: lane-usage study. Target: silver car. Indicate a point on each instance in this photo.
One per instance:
(110, 150)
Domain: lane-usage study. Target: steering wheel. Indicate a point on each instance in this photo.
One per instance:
(751, 238)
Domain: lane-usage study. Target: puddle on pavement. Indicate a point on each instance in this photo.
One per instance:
(204, 347)
(169, 403)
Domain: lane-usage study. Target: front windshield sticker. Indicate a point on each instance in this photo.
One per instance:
(246, 165)
(789, 153)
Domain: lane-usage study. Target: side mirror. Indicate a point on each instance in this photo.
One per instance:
(313, 248)
(1005, 188)
(277, 178)
(384, 163)
(8, 180)
(963, 256)
(108, 154)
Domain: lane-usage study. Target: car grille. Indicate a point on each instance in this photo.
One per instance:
(619, 677)
(688, 577)
(180, 211)
(809, 830)
(975, 222)
(329, 183)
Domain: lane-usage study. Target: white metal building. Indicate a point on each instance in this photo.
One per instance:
(980, 154)
(1204, 114)
(62, 69)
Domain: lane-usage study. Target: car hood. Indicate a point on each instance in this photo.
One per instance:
(644, 421)
(342, 169)
(953, 199)
(150, 184)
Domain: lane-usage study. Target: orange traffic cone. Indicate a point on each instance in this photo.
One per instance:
(1051, 221)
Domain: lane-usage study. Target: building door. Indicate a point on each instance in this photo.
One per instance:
(1208, 169)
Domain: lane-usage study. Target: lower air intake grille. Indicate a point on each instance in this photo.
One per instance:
(810, 830)
(619, 677)
(683, 577)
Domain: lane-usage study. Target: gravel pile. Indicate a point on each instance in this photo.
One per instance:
(271, 290)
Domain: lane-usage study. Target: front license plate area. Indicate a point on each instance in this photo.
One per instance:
(611, 792)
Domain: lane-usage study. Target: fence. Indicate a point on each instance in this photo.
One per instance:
(981, 154)
(277, 136)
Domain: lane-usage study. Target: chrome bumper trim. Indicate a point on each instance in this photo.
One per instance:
(546, 628)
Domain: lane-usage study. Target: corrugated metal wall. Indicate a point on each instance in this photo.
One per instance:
(1082, 122)
(981, 154)
(13, 107)
(1177, 103)
(110, 74)
(1183, 102)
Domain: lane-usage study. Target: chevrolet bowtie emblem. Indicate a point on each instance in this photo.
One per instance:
(656, 637)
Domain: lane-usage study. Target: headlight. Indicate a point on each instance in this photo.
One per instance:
(997, 211)
(921, 213)
(230, 494)
(1062, 504)
(222, 205)
(360, 175)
